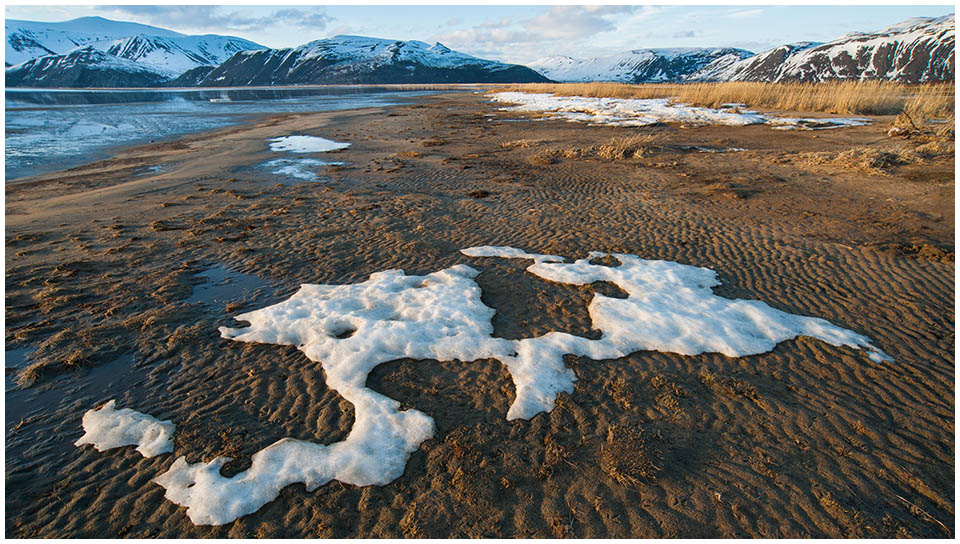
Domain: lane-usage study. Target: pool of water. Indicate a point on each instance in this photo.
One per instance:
(49, 130)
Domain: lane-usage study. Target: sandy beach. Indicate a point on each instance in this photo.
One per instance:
(106, 264)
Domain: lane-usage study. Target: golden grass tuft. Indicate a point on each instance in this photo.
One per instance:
(934, 100)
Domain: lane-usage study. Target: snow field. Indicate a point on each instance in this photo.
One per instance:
(636, 112)
(350, 329)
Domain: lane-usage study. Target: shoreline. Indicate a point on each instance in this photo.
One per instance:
(99, 268)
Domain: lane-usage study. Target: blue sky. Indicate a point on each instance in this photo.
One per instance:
(512, 33)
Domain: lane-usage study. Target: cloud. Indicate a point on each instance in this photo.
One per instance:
(517, 38)
(743, 14)
(685, 34)
(572, 22)
(215, 17)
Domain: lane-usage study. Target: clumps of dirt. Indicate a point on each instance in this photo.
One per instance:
(433, 142)
(606, 260)
(735, 191)
(408, 154)
(629, 455)
(615, 149)
(858, 159)
(479, 193)
(555, 454)
(922, 251)
(730, 387)
(522, 144)
(544, 157)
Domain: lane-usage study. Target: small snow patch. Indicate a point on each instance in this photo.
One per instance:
(302, 169)
(109, 428)
(305, 144)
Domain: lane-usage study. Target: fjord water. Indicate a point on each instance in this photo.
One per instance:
(52, 129)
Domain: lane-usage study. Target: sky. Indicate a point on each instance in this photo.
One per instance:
(518, 34)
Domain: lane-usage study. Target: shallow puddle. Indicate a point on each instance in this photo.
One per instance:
(221, 285)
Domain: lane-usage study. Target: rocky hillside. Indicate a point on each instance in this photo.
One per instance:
(360, 60)
(83, 67)
(914, 51)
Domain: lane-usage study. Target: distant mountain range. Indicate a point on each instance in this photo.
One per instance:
(97, 52)
(638, 65)
(358, 60)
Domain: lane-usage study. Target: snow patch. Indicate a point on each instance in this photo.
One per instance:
(305, 144)
(633, 112)
(109, 428)
(298, 168)
(350, 329)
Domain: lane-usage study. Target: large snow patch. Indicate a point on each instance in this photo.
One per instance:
(635, 112)
(350, 329)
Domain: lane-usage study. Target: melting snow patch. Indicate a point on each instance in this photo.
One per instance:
(648, 111)
(305, 144)
(350, 329)
(304, 169)
(109, 428)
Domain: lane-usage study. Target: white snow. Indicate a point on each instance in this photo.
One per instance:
(648, 111)
(304, 169)
(305, 144)
(635, 65)
(893, 53)
(160, 49)
(109, 428)
(350, 329)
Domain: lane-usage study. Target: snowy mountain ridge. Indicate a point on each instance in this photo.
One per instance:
(636, 66)
(168, 52)
(359, 59)
(913, 51)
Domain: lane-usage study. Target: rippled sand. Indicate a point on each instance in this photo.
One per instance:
(808, 440)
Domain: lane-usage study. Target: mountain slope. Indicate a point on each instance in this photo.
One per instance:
(358, 60)
(913, 51)
(637, 66)
(26, 40)
(166, 51)
(82, 67)
(177, 55)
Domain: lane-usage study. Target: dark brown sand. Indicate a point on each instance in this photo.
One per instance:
(808, 440)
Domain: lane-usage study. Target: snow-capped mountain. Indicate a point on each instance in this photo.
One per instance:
(359, 59)
(31, 39)
(913, 51)
(177, 55)
(638, 65)
(162, 51)
(83, 67)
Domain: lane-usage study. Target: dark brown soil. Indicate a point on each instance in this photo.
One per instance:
(808, 440)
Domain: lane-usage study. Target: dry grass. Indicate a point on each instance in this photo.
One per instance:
(628, 456)
(842, 97)
(620, 148)
(867, 159)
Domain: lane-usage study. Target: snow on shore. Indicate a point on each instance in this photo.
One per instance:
(636, 112)
(305, 144)
(350, 329)
(109, 428)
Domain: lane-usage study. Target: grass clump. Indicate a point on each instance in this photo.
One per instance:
(629, 456)
(730, 387)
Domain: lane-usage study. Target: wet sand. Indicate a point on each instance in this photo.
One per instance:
(808, 440)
